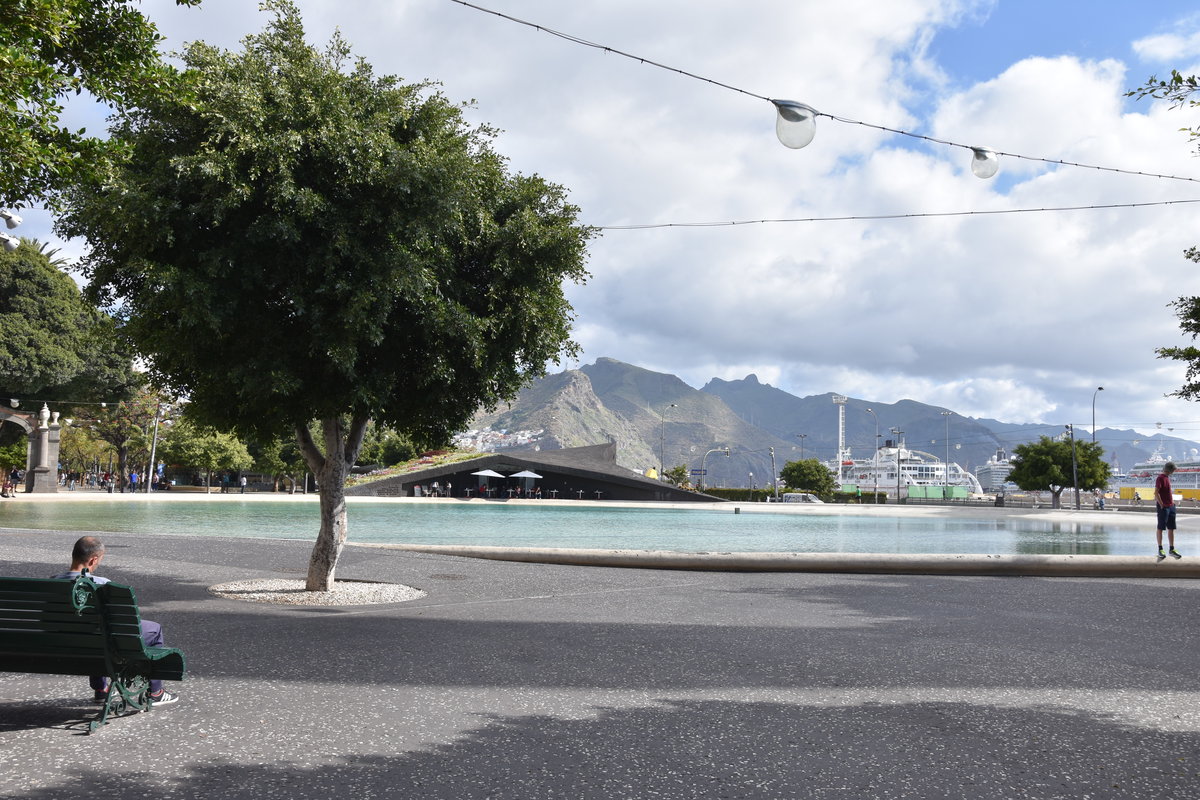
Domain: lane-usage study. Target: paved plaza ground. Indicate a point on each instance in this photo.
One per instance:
(514, 680)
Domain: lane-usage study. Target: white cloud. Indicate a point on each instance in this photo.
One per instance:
(1011, 316)
(1168, 48)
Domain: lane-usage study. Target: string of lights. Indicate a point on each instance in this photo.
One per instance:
(872, 217)
(796, 123)
(16, 402)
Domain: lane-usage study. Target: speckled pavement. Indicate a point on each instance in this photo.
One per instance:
(525, 681)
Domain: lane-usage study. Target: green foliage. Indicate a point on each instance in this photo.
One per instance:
(741, 495)
(80, 448)
(53, 49)
(201, 447)
(1187, 309)
(305, 241)
(385, 446)
(298, 239)
(677, 476)
(53, 343)
(129, 422)
(809, 475)
(1045, 465)
(12, 455)
(1180, 89)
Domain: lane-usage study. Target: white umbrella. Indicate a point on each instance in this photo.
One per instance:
(488, 473)
(525, 474)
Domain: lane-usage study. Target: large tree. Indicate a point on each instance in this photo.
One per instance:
(809, 475)
(51, 50)
(304, 240)
(1046, 465)
(54, 344)
(203, 448)
(129, 427)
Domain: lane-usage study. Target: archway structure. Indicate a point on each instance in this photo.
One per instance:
(41, 460)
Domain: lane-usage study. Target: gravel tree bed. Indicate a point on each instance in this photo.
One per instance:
(290, 592)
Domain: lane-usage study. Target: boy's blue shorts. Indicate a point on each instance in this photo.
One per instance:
(1166, 518)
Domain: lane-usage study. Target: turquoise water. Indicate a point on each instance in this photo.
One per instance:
(585, 526)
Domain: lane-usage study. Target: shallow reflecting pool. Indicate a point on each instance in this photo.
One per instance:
(701, 529)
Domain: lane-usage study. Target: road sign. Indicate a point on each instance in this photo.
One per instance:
(697, 472)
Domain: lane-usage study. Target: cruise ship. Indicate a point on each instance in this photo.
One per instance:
(917, 468)
(994, 474)
(1141, 476)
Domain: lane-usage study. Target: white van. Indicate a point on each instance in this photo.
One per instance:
(801, 497)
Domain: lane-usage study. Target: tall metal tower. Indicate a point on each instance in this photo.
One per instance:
(843, 454)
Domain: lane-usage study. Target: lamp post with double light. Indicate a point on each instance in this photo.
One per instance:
(898, 434)
(875, 455)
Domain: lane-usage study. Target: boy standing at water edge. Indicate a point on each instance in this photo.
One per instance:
(1164, 503)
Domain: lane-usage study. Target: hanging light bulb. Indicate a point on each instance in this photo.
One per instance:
(795, 124)
(984, 162)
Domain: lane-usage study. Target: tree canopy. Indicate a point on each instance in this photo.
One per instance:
(203, 448)
(302, 239)
(1046, 465)
(54, 345)
(809, 475)
(53, 49)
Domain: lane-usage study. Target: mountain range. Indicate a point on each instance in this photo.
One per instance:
(655, 416)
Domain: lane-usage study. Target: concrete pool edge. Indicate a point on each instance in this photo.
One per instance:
(1050, 566)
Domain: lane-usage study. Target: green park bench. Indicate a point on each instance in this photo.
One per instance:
(64, 627)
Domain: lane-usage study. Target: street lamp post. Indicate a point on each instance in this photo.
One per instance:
(946, 467)
(1074, 466)
(153, 445)
(662, 439)
(774, 477)
(704, 462)
(1099, 389)
(898, 433)
(875, 455)
(801, 437)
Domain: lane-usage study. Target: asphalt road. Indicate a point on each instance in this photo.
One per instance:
(513, 680)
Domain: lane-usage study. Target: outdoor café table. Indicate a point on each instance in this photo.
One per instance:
(467, 492)
(580, 493)
(554, 494)
(598, 494)
(510, 493)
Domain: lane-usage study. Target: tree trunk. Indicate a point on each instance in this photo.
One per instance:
(342, 444)
(122, 463)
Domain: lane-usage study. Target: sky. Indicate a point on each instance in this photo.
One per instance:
(1016, 316)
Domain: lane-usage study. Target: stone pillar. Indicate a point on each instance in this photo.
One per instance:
(42, 474)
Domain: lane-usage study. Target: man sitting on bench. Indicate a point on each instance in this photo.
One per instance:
(87, 554)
